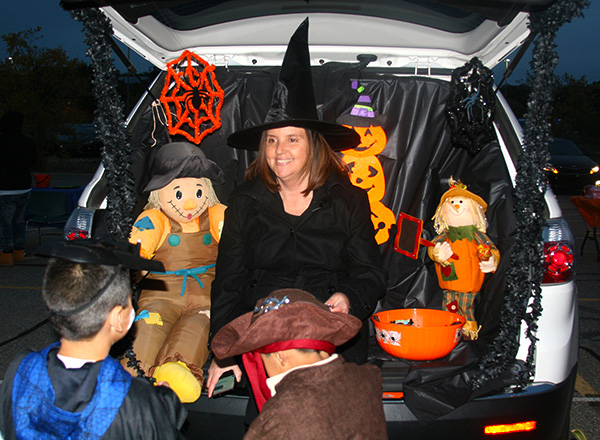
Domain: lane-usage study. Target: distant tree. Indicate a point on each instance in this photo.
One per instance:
(516, 95)
(576, 110)
(46, 85)
(575, 113)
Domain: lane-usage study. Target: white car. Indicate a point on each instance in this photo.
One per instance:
(402, 55)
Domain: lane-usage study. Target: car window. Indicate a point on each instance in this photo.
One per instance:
(194, 15)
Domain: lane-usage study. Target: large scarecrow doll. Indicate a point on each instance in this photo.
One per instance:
(180, 227)
(463, 252)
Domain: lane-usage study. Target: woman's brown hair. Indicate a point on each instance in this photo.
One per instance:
(322, 160)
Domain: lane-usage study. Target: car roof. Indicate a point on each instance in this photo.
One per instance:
(401, 33)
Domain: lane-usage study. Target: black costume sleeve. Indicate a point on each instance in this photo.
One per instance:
(148, 412)
(367, 277)
(6, 424)
(231, 272)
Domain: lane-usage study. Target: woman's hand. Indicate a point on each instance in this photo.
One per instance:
(217, 368)
(339, 303)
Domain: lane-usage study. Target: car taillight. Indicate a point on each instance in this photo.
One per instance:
(558, 251)
(510, 428)
(76, 234)
(79, 224)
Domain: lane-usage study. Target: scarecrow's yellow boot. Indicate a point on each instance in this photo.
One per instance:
(180, 379)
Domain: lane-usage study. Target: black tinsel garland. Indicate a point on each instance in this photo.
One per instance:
(471, 106)
(109, 121)
(523, 294)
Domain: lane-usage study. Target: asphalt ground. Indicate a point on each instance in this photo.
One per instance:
(585, 411)
(23, 313)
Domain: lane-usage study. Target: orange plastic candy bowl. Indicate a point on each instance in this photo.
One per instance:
(417, 334)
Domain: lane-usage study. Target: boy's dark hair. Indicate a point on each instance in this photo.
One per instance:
(68, 286)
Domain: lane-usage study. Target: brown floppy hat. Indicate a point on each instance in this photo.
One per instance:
(286, 314)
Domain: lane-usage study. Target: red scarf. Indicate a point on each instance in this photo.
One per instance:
(255, 368)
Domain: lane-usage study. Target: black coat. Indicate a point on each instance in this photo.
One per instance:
(329, 248)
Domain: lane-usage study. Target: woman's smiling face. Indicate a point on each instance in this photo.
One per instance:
(184, 199)
(286, 151)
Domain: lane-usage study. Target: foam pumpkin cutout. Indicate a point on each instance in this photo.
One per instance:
(461, 226)
(367, 173)
(372, 141)
(383, 218)
(180, 227)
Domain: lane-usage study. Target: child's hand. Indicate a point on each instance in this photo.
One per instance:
(163, 383)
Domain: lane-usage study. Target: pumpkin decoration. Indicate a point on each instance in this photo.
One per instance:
(461, 225)
(372, 141)
(366, 171)
(192, 97)
(383, 218)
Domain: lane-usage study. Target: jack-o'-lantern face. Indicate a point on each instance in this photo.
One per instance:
(372, 141)
(367, 173)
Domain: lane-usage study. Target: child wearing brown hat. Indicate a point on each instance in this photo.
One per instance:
(310, 392)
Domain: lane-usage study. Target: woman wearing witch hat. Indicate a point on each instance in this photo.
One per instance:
(297, 221)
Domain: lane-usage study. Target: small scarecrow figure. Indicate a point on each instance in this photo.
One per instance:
(180, 227)
(463, 252)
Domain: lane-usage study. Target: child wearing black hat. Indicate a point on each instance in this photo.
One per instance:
(73, 388)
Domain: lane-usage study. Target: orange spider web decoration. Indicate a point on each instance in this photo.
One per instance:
(192, 97)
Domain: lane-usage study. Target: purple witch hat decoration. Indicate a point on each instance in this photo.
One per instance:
(362, 113)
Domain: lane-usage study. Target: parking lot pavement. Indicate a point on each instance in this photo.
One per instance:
(585, 412)
(21, 305)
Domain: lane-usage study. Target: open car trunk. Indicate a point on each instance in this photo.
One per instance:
(416, 163)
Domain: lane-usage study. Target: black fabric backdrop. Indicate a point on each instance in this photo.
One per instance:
(417, 161)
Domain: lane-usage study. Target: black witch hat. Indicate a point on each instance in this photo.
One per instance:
(103, 250)
(293, 102)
